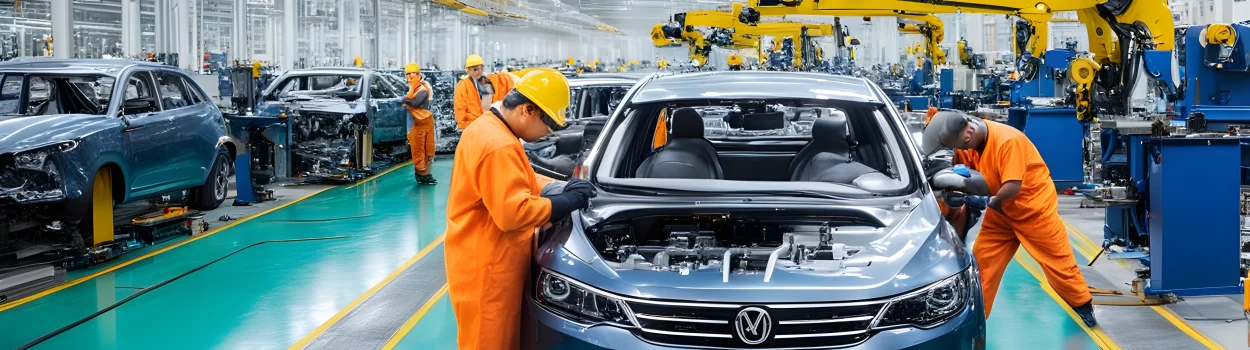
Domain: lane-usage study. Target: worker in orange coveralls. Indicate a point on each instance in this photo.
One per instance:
(421, 137)
(477, 91)
(495, 205)
(1024, 207)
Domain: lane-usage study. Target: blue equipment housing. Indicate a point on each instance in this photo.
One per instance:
(1216, 90)
(1193, 234)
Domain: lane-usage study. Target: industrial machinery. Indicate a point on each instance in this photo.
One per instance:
(1150, 167)
(726, 32)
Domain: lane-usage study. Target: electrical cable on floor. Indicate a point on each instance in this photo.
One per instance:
(322, 220)
(70, 326)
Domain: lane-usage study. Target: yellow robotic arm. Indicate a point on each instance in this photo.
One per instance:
(933, 31)
(1119, 31)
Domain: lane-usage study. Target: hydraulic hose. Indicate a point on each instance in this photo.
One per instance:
(143, 291)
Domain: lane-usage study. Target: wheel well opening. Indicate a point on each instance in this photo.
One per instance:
(119, 181)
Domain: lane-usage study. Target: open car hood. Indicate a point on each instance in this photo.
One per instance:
(913, 249)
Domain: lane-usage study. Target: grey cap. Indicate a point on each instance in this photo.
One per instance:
(944, 126)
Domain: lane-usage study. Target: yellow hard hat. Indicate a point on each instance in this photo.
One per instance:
(412, 68)
(572, 61)
(473, 60)
(735, 59)
(549, 90)
(359, 62)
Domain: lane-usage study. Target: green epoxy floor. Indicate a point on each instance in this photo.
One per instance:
(270, 296)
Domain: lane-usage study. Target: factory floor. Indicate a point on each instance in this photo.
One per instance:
(376, 280)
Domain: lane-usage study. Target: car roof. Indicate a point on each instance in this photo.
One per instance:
(110, 67)
(633, 76)
(601, 81)
(329, 70)
(755, 85)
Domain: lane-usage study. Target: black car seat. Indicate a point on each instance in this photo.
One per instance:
(827, 157)
(687, 155)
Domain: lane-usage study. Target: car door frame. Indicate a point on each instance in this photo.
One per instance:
(140, 137)
(384, 112)
(193, 123)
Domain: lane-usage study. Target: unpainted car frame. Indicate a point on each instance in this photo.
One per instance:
(327, 127)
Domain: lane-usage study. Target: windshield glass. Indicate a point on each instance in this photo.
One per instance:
(55, 94)
(325, 85)
(797, 147)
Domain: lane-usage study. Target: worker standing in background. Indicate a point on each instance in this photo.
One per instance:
(495, 206)
(1024, 207)
(421, 137)
(735, 61)
(476, 92)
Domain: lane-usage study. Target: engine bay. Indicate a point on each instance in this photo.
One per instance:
(746, 245)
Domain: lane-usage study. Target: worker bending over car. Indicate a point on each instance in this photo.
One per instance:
(476, 92)
(1023, 206)
(495, 205)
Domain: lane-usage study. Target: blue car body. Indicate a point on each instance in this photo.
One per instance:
(165, 139)
(879, 295)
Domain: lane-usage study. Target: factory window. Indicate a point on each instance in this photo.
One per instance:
(173, 92)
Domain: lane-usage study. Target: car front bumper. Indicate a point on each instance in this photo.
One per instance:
(541, 329)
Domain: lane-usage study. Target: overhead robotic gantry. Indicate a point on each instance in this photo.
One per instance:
(727, 32)
(1123, 35)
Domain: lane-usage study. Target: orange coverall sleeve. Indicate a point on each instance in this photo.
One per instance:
(465, 96)
(504, 83)
(1012, 163)
(508, 195)
(661, 131)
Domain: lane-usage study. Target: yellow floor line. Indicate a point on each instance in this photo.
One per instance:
(360, 299)
(1185, 327)
(375, 176)
(412, 321)
(1095, 333)
(1089, 244)
(75, 282)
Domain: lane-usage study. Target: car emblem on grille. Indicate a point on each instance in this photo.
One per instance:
(753, 325)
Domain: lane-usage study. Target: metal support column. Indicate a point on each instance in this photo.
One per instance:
(289, 35)
(131, 35)
(62, 29)
(238, 46)
(181, 26)
(407, 36)
(378, 61)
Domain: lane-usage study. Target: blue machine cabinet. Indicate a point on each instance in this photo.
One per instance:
(1058, 136)
(1195, 235)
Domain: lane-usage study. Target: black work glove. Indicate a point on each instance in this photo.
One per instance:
(955, 199)
(576, 196)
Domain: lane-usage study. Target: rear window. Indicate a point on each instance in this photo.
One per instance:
(770, 121)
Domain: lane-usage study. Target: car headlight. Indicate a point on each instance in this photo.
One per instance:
(36, 159)
(578, 301)
(930, 305)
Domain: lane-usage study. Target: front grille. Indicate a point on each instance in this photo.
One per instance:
(790, 326)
